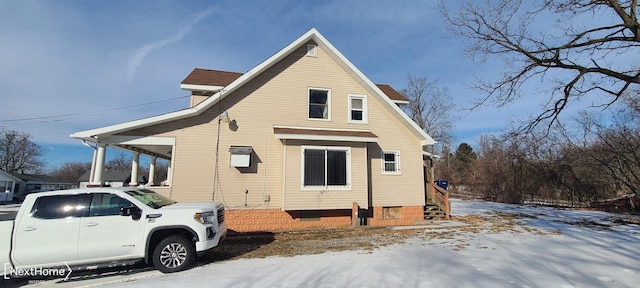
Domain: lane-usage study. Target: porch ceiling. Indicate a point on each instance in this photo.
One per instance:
(160, 151)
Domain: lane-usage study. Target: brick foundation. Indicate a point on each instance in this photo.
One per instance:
(269, 220)
(408, 216)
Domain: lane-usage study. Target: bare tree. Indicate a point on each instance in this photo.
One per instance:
(579, 55)
(614, 146)
(430, 108)
(18, 152)
(71, 171)
(119, 162)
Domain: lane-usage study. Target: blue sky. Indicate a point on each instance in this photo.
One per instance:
(76, 65)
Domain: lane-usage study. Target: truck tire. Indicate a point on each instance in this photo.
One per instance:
(174, 253)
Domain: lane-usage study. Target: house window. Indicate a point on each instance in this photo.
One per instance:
(357, 109)
(326, 167)
(319, 101)
(391, 162)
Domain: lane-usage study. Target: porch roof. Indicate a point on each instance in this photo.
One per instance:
(306, 133)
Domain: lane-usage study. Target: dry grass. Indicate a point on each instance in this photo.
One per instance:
(365, 239)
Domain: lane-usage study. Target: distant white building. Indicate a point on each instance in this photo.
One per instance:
(7, 186)
(29, 183)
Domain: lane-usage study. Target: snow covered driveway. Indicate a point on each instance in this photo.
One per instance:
(502, 246)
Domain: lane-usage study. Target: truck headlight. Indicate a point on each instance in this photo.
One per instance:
(203, 217)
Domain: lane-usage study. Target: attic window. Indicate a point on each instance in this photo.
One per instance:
(312, 50)
(240, 156)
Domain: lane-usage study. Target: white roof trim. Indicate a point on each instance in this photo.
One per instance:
(427, 139)
(294, 136)
(194, 87)
(429, 154)
(8, 175)
(94, 134)
(135, 140)
(320, 129)
(325, 138)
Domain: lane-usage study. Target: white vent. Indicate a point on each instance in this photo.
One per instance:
(312, 50)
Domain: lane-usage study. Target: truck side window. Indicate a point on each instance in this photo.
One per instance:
(57, 207)
(106, 204)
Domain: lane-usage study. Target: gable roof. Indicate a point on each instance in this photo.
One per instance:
(201, 79)
(311, 35)
(394, 95)
(207, 79)
(37, 178)
(8, 175)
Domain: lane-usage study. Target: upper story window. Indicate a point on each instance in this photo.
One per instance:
(390, 162)
(319, 104)
(357, 109)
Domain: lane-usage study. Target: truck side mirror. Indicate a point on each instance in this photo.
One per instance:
(132, 211)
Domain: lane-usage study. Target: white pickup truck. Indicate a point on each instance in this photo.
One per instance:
(100, 227)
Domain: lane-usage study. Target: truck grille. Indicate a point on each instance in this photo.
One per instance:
(220, 214)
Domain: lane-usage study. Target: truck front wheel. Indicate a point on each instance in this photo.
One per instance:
(174, 253)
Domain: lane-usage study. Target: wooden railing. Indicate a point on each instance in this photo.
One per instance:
(441, 198)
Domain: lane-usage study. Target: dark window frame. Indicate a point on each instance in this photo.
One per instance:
(317, 108)
(332, 165)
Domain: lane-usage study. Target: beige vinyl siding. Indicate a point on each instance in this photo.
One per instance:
(280, 97)
(297, 198)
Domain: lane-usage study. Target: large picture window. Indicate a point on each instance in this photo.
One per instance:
(326, 167)
(319, 104)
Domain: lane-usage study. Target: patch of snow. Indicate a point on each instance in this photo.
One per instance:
(10, 207)
(577, 249)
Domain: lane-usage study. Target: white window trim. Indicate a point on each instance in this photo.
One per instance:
(382, 161)
(365, 110)
(328, 104)
(326, 187)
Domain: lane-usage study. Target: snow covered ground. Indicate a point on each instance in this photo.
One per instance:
(536, 247)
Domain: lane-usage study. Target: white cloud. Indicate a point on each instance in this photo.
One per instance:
(141, 53)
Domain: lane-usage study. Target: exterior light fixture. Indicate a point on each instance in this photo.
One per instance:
(224, 117)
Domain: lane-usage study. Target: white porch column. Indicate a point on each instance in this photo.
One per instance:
(99, 165)
(93, 165)
(134, 169)
(169, 173)
(152, 171)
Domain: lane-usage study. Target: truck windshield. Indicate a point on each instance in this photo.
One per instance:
(150, 198)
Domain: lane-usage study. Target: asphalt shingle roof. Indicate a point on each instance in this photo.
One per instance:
(200, 76)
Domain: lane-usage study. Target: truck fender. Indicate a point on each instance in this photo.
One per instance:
(157, 234)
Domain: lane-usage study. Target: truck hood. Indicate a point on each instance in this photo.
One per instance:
(192, 206)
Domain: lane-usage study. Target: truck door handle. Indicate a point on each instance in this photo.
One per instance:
(29, 228)
(91, 224)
